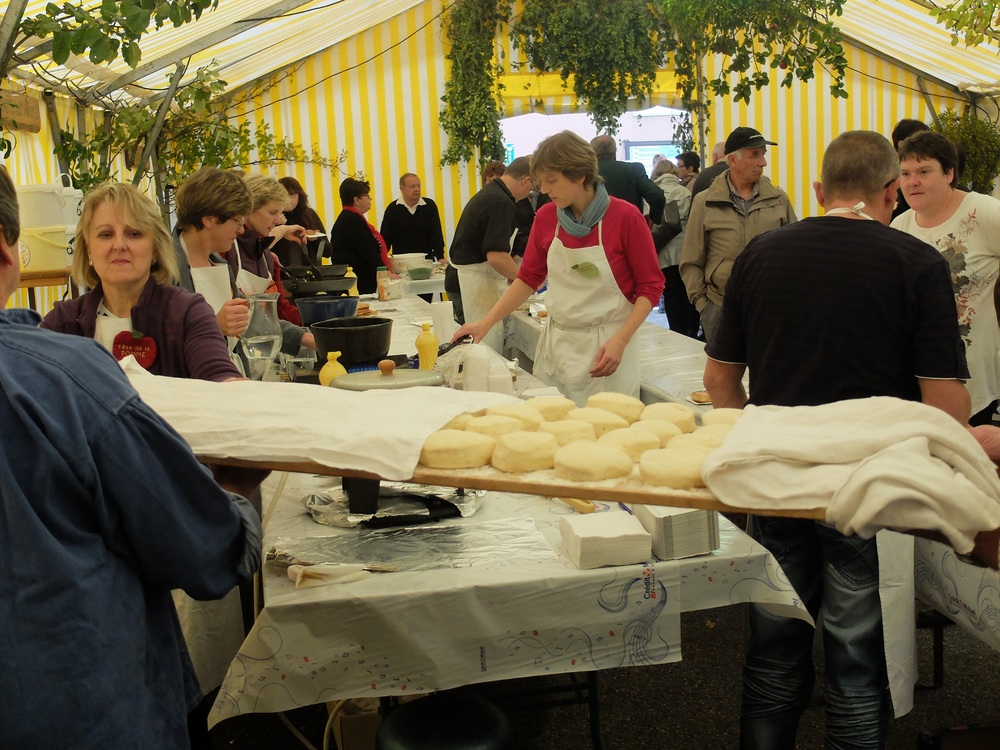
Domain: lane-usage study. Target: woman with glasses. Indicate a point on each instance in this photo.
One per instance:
(212, 206)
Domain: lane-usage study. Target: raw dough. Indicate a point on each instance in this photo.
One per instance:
(680, 415)
(713, 434)
(721, 416)
(633, 442)
(552, 408)
(661, 428)
(569, 430)
(494, 425)
(519, 452)
(677, 468)
(456, 449)
(459, 422)
(603, 420)
(529, 417)
(626, 407)
(584, 461)
(690, 441)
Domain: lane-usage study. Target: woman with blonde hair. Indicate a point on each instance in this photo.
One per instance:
(603, 276)
(254, 265)
(124, 253)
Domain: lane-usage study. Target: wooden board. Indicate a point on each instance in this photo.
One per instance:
(537, 483)
(20, 112)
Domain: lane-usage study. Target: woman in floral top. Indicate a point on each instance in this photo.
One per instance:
(965, 228)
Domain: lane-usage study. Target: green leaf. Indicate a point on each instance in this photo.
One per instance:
(586, 269)
(60, 46)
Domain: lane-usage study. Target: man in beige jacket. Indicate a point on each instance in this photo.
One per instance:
(739, 204)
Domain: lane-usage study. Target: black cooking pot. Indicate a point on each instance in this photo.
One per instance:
(314, 273)
(359, 340)
(303, 288)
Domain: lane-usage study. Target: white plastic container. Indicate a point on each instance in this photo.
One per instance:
(49, 204)
(48, 248)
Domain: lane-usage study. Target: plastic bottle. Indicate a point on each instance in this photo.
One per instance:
(382, 280)
(332, 369)
(427, 347)
(353, 291)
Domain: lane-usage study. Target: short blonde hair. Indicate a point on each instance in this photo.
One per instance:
(141, 213)
(568, 153)
(664, 166)
(265, 190)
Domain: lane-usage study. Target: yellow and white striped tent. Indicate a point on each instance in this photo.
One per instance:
(367, 76)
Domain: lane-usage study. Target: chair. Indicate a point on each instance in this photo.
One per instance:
(445, 722)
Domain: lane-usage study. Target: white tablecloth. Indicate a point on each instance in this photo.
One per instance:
(401, 632)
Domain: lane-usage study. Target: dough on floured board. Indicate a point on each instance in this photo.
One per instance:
(677, 468)
(680, 415)
(628, 408)
(661, 428)
(552, 408)
(569, 430)
(529, 417)
(585, 461)
(494, 425)
(521, 452)
(603, 420)
(633, 442)
(456, 449)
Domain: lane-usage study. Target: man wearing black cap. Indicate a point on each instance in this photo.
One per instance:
(739, 204)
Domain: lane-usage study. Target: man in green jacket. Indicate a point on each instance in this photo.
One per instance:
(739, 204)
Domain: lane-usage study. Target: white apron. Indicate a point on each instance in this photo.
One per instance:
(247, 282)
(107, 326)
(482, 287)
(583, 314)
(212, 283)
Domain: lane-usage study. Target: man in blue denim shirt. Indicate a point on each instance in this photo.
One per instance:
(832, 308)
(103, 510)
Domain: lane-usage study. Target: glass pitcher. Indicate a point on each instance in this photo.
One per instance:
(262, 339)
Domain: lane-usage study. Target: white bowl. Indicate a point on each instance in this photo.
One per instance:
(401, 262)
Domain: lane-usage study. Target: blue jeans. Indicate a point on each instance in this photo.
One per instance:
(837, 578)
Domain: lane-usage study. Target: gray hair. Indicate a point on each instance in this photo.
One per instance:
(519, 168)
(605, 147)
(858, 164)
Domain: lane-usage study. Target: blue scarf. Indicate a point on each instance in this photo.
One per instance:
(591, 215)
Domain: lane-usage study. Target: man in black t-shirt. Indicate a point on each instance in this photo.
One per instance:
(831, 308)
(481, 247)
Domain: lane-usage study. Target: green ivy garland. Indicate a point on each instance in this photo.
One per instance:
(612, 49)
(473, 93)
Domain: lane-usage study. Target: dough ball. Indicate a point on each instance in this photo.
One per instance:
(713, 434)
(584, 461)
(456, 449)
(690, 441)
(626, 407)
(530, 418)
(552, 408)
(662, 429)
(633, 442)
(680, 415)
(603, 420)
(721, 416)
(678, 469)
(519, 452)
(493, 425)
(569, 430)
(459, 422)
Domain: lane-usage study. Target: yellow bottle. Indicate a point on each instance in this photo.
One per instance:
(332, 369)
(353, 291)
(427, 347)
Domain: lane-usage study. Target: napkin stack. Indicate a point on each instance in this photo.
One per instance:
(679, 532)
(598, 539)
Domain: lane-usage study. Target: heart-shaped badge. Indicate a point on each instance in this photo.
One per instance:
(143, 348)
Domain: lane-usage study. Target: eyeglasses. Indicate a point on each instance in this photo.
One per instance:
(240, 221)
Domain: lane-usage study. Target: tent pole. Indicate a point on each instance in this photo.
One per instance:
(8, 30)
(161, 115)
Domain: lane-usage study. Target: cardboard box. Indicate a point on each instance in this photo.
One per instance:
(355, 731)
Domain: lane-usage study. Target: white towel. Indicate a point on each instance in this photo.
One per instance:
(872, 463)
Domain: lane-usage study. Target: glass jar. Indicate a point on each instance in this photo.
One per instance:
(262, 339)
